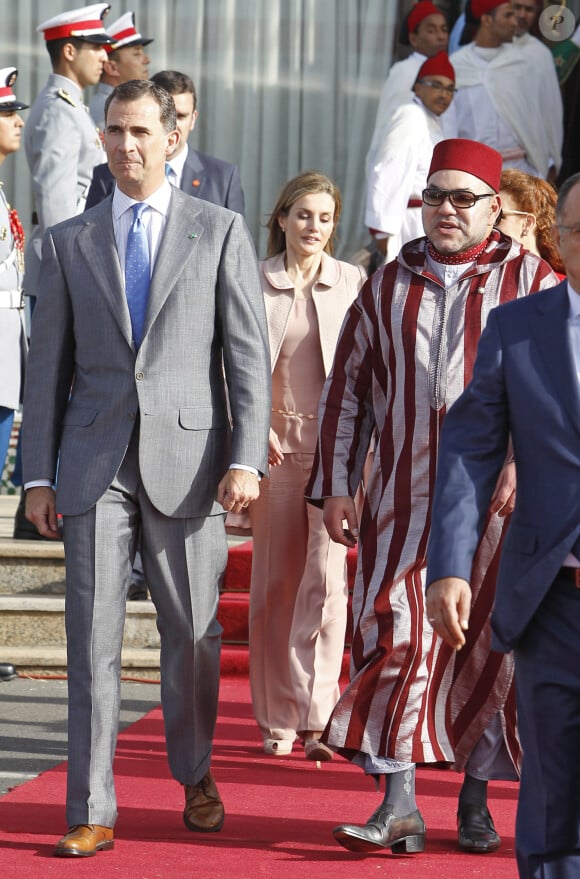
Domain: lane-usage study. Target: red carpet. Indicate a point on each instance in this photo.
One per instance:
(234, 608)
(279, 816)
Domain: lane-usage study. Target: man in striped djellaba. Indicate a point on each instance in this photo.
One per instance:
(405, 353)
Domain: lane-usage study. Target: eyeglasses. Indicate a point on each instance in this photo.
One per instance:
(459, 198)
(437, 86)
(503, 214)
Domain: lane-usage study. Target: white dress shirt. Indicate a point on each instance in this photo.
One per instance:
(176, 165)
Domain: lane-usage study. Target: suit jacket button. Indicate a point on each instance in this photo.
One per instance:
(131, 416)
(139, 376)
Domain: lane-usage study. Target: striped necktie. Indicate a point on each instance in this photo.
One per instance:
(137, 272)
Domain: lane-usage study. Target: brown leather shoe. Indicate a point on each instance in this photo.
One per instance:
(84, 841)
(204, 810)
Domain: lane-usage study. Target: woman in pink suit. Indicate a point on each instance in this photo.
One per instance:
(298, 594)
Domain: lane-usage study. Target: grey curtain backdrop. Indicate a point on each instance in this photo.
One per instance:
(283, 86)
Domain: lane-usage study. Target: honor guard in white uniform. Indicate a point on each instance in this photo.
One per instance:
(125, 60)
(61, 140)
(12, 336)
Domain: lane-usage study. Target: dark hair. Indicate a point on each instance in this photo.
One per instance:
(470, 27)
(134, 89)
(564, 192)
(307, 183)
(176, 83)
(538, 197)
(55, 47)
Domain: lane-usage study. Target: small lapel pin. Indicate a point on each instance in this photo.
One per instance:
(195, 182)
(193, 234)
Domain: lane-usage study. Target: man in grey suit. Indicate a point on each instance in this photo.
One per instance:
(144, 444)
(196, 173)
(525, 392)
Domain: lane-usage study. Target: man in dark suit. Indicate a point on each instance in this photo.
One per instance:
(194, 172)
(525, 388)
(152, 312)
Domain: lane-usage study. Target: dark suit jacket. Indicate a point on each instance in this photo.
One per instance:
(524, 386)
(203, 176)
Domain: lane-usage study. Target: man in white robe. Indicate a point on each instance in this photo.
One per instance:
(427, 34)
(395, 182)
(542, 71)
(499, 102)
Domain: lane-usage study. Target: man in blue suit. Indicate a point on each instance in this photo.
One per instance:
(193, 172)
(525, 398)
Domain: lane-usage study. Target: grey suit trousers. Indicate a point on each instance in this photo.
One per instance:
(183, 561)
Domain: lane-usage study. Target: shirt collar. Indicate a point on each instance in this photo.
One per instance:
(158, 200)
(574, 298)
(177, 163)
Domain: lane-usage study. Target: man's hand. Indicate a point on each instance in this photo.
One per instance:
(503, 499)
(40, 509)
(336, 509)
(237, 490)
(275, 453)
(448, 607)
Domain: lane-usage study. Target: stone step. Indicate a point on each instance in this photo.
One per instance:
(32, 585)
(31, 566)
(39, 619)
(140, 664)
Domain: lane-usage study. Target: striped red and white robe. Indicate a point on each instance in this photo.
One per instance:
(405, 353)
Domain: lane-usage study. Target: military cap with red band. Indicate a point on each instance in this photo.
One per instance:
(8, 100)
(123, 33)
(460, 154)
(85, 24)
(421, 10)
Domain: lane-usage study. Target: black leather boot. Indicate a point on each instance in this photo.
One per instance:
(384, 830)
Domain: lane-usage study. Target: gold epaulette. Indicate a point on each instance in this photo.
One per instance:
(62, 93)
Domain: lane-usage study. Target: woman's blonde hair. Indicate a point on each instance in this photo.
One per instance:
(307, 183)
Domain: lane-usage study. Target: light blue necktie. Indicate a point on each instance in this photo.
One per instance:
(137, 272)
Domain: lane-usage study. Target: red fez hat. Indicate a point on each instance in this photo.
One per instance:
(438, 65)
(459, 154)
(420, 10)
(482, 7)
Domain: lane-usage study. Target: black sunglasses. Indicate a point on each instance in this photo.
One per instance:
(459, 198)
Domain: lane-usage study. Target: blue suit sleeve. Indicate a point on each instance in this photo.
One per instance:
(474, 443)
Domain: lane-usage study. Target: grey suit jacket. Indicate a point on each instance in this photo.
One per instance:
(524, 385)
(203, 176)
(62, 147)
(205, 319)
